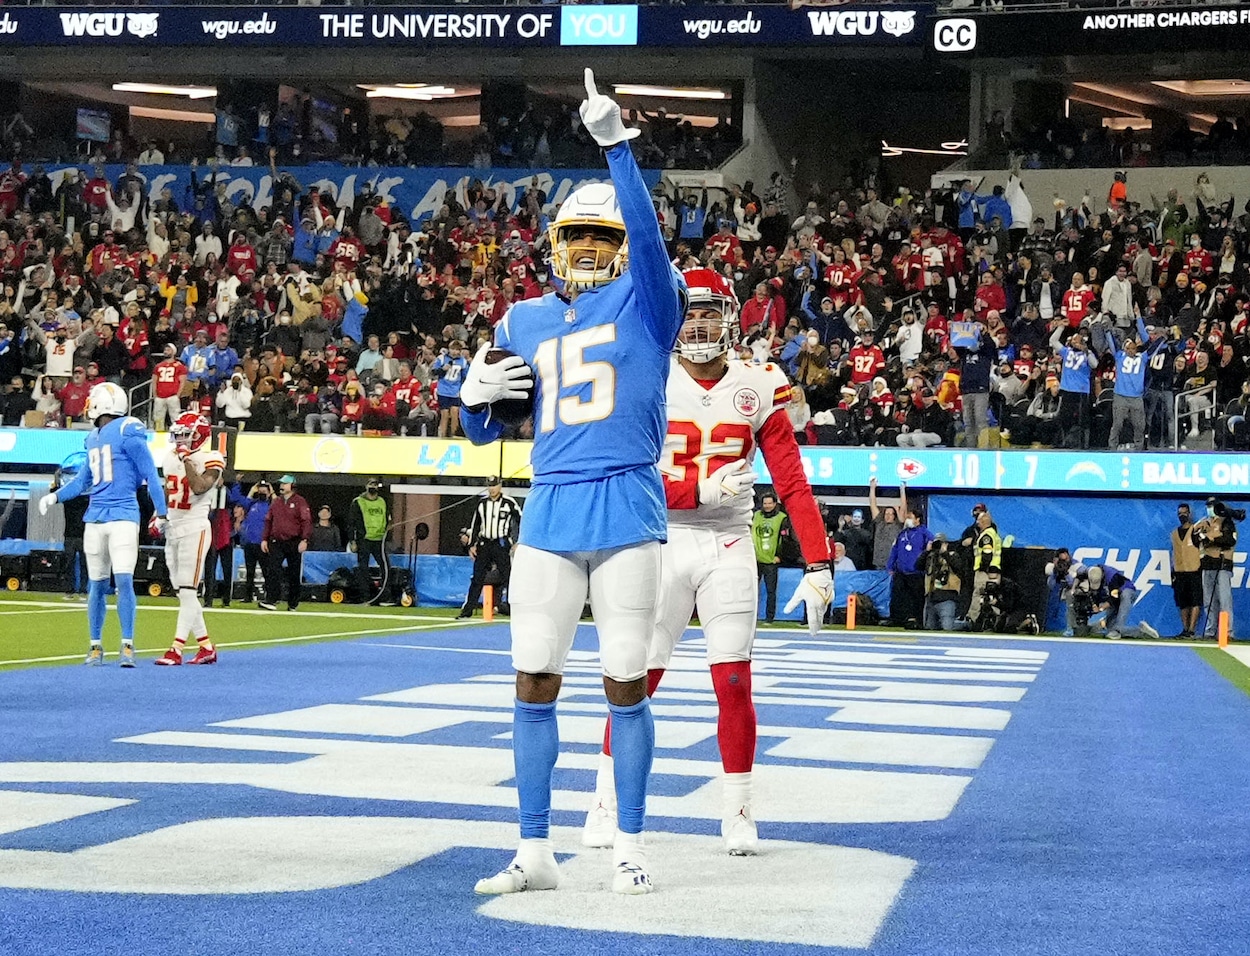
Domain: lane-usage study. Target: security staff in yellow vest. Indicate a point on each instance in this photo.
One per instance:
(1216, 534)
(370, 522)
(1186, 573)
(987, 562)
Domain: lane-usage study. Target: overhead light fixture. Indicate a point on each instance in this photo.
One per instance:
(952, 148)
(1137, 124)
(1205, 87)
(176, 116)
(191, 92)
(411, 91)
(672, 92)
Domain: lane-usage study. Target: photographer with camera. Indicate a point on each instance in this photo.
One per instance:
(1060, 576)
(944, 570)
(1186, 573)
(1216, 535)
(1104, 587)
(987, 560)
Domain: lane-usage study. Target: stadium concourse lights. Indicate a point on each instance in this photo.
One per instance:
(191, 92)
(672, 92)
(410, 91)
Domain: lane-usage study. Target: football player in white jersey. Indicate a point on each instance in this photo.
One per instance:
(192, 473)
(719, 412)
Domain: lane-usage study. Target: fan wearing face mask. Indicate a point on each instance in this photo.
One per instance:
(906, 567)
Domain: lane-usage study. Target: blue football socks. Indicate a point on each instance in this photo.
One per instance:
(535, 746)
(97, 595)
(633, 744)
(127, 605)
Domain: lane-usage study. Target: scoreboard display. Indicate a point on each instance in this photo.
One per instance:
(954, 469)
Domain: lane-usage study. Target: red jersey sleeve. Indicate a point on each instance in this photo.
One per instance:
(785, 465)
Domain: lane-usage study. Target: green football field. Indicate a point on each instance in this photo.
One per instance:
(40, 629)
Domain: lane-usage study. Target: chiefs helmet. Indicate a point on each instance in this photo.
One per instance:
(714, 332)
(190, 431)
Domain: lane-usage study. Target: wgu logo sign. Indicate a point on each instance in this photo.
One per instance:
(896, 23)
(109, 24)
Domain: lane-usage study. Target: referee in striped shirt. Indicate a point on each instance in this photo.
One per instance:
(491, 537)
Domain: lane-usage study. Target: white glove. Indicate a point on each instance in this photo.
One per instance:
(601, 115)
(816, 591)
(485, 383)
(46, 502)
(730, 484)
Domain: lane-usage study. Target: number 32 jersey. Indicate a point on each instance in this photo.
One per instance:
(188, 512)
(709, 428)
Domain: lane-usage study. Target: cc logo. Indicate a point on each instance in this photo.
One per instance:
(955, 36)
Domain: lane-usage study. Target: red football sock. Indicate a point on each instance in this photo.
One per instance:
(653, 681)
(735, 725)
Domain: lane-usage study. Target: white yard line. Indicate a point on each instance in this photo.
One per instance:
(449, 650)
(79, 605)
(1241, 654)
(276, 640)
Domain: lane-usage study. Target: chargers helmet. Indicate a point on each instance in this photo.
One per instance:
(107, 399)
(190, 431)
(70, 466)
(575, 263)
(711, 333)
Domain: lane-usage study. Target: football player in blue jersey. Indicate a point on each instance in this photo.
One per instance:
(599, 352)
(118, 463)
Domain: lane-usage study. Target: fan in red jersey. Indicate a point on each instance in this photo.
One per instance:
(719, 412)
(192, 472)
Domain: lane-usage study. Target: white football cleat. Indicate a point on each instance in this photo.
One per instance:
(630, 857)
(600, 828)
(533, 868)
(632, 879)
(740, 834)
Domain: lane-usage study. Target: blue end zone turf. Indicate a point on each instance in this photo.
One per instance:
(917, 796)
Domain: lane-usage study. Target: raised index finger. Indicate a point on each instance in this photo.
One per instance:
(591, 92)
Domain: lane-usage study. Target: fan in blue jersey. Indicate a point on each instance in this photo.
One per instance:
(118, 463)
(600, 353)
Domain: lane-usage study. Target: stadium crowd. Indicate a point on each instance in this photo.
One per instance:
(935, 317)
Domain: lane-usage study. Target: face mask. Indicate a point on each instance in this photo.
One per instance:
(910, 523)
(1210, 512)
(1182, 520)
(1196, 243)
(813, 340)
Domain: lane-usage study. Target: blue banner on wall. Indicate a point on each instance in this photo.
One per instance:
(417, 193)
(1130, 534)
